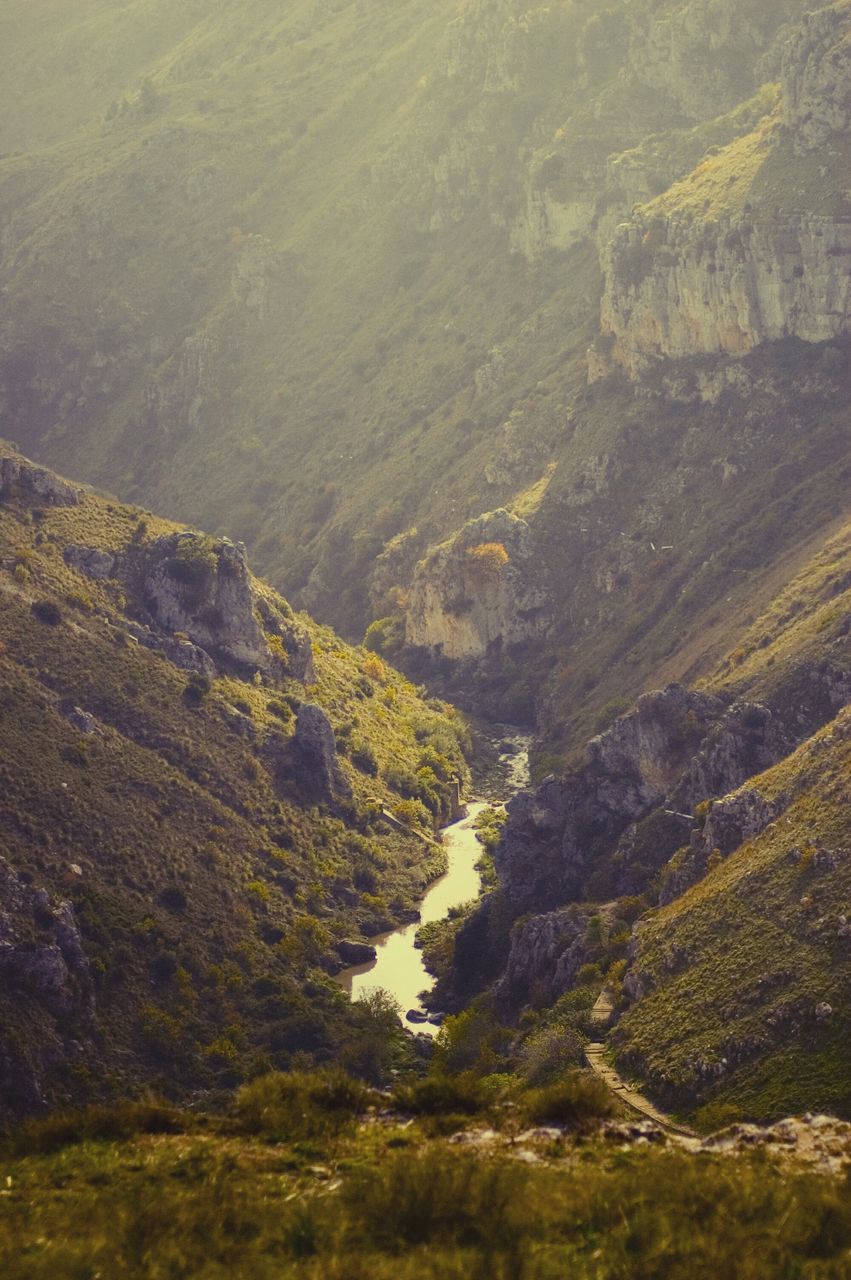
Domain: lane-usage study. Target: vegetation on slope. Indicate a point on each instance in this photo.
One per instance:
(263, 240)
(209, 886)
(154, 1191)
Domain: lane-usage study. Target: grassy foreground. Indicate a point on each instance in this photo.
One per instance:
(148, 1192)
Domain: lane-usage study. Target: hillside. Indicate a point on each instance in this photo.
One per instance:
(326, 280)
(193, 779)
(694, 866)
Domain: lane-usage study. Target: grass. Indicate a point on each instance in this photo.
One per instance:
(214, 1206)
(210, 895)
(758, 947)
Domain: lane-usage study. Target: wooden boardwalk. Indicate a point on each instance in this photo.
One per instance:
(595, 1056)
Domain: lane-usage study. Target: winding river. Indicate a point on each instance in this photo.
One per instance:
(398, 967)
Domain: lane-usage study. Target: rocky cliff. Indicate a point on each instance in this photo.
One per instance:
(46, 992)
(479, 589)
(753, 246)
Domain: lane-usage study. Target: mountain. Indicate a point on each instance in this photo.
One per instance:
(695, 867)
(194, 785)
(349, 284)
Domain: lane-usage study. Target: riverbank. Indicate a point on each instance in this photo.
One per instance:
(398, 966)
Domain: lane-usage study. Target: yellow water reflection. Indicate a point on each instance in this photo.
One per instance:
(398, 967)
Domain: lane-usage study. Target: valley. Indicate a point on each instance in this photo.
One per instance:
(425, 639)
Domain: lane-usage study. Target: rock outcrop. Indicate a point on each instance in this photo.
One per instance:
(546, 954)
(479, 589)
(682, 282)
(674, 289)
(557, 839)
(314, 757)
(91, 561)
(202, 589)
(43, 485)
(46, 993)
(730, 822)
(816, 77)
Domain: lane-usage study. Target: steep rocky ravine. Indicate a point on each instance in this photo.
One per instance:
(621, 179)
(722, 809)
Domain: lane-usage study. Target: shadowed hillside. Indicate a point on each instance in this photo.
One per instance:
(326, 280)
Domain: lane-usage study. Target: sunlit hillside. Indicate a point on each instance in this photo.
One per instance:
(326, 279)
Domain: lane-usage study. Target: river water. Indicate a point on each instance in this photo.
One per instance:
(398, 967)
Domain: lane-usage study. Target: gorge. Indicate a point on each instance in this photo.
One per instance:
(425, 639)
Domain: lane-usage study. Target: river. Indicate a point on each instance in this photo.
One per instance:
(398, 967)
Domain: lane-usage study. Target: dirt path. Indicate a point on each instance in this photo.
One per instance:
(595, 1055)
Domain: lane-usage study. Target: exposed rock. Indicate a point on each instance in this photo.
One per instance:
(175, 402)
(45, 992)
(314, 755)
(546, 855)
(678, 286)
(816, 76)
(202, 588)
(353, 952)
(546, 954)
(818, 1140)
(182, 652)
(80, 719)
(254, 273)
(748, 739)
(478, 589)
(91, 561)
(701, 55)
(682, 289)
(18, 472)
(731, 822)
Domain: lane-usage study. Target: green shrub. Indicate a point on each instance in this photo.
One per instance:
(197, 688)
(545, 1053)
(363, 756)
(95, 1124)
(442, 1095)
(287, 1106)
(47, 611)
(579, 1101)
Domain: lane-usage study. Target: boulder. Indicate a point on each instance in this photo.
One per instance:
(353, 952)
(91, 561)
(315, 763)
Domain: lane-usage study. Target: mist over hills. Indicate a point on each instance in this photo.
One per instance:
(326, 279)
(513, 342)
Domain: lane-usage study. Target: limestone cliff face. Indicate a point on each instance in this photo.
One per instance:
(202, 588)
(701, 55)
(680, 282)
(553, 838)
(817, 76)
(546, 954)
(478, 589)
(674, 291)
(46, 993)
(558, 215)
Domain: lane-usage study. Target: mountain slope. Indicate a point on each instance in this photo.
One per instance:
(695, 865)
(192, 787)
(326, 280)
